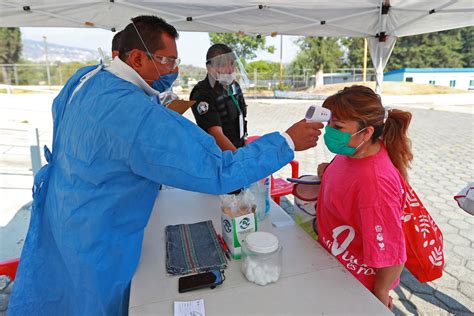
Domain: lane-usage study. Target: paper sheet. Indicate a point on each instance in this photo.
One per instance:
(190, 308)
(180, 106)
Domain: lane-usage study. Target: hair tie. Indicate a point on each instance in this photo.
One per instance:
(387, 112)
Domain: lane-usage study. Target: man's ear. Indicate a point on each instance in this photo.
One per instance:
(135, 59)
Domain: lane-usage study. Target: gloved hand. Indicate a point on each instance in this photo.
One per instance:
(167, 97)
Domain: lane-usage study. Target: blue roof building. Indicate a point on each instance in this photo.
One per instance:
(459, 78)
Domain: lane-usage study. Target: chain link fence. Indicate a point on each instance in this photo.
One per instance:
(38, 74)
(41, 74)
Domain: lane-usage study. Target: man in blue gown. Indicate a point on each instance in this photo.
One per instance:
(112, 150)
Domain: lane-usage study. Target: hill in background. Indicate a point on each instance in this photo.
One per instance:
(34, 51)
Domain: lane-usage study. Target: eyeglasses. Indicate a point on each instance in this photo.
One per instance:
(169, 62)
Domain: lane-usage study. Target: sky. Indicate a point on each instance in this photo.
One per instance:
(192, 46)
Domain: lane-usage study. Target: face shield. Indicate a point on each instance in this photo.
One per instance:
(227, 68)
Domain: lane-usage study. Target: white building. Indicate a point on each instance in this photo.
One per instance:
(459, 78)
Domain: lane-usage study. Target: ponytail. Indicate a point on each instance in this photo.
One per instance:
(396, 141)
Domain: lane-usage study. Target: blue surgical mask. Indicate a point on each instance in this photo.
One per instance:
(165, 82)
(337, 141)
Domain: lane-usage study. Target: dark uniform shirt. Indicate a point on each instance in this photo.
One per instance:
(216, 106)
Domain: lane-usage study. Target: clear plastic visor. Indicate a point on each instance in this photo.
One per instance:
(227, 64)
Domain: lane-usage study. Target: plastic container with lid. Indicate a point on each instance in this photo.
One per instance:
(261, 258)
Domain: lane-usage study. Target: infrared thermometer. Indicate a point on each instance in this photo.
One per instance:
(316, 113)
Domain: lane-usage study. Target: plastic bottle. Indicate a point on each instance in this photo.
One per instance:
(261, 192)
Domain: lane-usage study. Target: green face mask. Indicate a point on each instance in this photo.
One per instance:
(337, 141)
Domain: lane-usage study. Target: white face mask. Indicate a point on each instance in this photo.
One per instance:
(225, 79)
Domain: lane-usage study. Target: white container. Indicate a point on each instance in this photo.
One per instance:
(261, 258)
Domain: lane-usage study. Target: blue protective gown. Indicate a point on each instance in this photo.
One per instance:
(112, 149)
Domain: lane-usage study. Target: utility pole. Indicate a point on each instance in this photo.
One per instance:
(364, 72)
(48, 73)
(281, 61)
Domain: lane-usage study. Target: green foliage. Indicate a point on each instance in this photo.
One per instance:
(244, 46)
(317, 53)
(262, 67)
(10, 50)
(467, 50)
(453, 48)
(440, 49)
(10, 45)
(355, 55)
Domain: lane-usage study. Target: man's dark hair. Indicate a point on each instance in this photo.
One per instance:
(116, 41)
(150, 28)
(216, 50)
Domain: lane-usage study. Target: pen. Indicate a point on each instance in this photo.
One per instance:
(224, 246)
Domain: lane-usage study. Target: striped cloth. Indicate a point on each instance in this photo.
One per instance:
(193, 248)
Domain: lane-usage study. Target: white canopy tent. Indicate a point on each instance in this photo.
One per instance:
(381, 21)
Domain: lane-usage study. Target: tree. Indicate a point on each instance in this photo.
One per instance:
(355, 52)
(467, 50)
(10, 49)
(244, 46)
(262, 67)
(439, 49)
(318, 54)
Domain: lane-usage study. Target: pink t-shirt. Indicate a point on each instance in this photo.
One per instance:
(360, 207)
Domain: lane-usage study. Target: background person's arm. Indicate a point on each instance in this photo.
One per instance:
(384, 279)
(222, 141)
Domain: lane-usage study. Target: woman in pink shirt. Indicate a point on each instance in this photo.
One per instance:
(360, 203)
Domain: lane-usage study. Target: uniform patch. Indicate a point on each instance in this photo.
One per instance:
(202, 107)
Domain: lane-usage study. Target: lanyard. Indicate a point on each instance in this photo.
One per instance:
(231, 95)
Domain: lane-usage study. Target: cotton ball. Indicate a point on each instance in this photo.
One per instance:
(252, 264)
(244, 265)
(274, 277)
(260, 279)
(268, 277)
(258, 271)
(250, 275)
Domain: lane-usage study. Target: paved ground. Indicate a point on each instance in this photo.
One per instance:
(443, 147)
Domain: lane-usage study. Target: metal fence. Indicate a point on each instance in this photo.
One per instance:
(37, 74)
(42, 74)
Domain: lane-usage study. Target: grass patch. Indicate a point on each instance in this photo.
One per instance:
(390, 88)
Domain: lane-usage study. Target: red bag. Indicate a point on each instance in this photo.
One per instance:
(424, 240)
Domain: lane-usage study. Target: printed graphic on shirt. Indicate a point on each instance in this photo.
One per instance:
(338, 247)
(379, 237)
(202, 107)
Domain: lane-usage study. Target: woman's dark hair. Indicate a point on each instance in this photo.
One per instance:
(362, 104)
(150, 28)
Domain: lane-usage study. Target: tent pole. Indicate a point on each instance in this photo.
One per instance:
(281, 60)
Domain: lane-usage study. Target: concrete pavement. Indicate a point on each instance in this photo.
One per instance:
(443, 148)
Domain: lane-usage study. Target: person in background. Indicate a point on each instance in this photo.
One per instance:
(360, 202)
(113, 149)
(116, 44)
(220, 107)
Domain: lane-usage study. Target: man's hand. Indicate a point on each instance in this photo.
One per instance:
(305, 135)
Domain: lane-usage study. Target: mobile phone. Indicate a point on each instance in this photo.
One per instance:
(201, 280)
